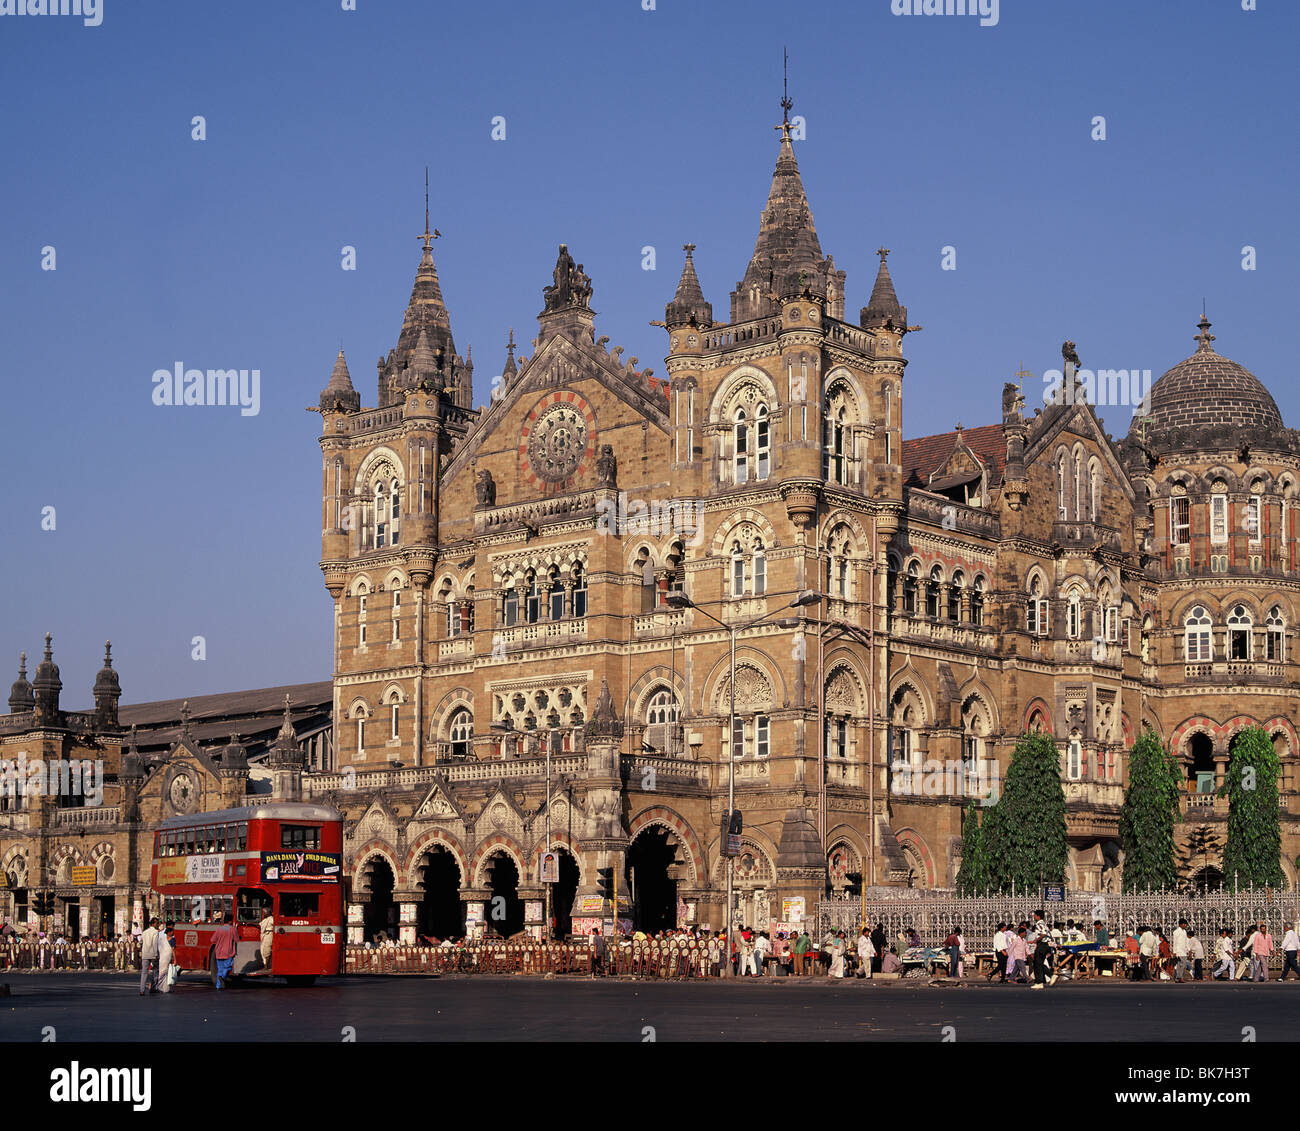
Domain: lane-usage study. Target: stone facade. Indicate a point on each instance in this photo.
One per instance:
(493, 570)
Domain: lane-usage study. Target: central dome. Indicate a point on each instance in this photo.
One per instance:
(1208, 389)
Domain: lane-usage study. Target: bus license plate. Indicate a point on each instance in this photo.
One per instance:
(327, 938)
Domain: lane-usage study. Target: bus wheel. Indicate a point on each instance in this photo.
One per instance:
(301, 979)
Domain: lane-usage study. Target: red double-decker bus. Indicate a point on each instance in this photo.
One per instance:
(283, 857)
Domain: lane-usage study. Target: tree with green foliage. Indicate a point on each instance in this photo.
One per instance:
(1253, 854)
(1025, 839)
(1146, 824)
(972, 876)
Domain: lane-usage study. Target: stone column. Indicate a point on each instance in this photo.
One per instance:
(606, 839)
(408, 905)
(476, 904)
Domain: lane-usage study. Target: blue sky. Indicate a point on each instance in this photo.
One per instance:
(624, 128)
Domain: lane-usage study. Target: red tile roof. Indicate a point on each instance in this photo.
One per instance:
(925, 454)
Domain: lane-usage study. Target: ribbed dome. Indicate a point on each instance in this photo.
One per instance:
(1209, 389)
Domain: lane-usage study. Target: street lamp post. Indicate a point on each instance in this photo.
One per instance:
(682, 601)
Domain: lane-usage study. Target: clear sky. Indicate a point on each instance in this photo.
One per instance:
(625, 128)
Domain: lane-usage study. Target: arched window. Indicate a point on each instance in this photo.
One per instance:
(361, 729)
(760, 569)
(911, 581)
(977, 603)
(381, 516)
(394, 509)
(954, 596)
(662, 708)
(1198, 645)
(397, 616)
(579, 592)
(1073, 615)
(1239, 633)
(1060, 488)
(555, 594)
(510, 605)
(740, 447)
(932, 588)
(835, 447)
(1074, 758)
(1078, 487)
(532, 598)
(1146, 639)
(1275, 635)
(763, 443)
(737, 570)
(453, 618)
(393, 707)
(460, 732)
(1094, 491)
(363, 599)
(1036, 609)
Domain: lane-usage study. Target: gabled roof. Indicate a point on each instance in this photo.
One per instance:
(923, 455)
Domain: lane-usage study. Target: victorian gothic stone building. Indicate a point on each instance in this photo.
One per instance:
(564, 569)
(535, 605)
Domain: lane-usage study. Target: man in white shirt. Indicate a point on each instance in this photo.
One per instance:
(1149, 947)
(1179, 945)
(866, 952)
(1223, 952)
(166, 953)
(149, 959)
(1197, 954)
(1291, 951)
(1000, 954)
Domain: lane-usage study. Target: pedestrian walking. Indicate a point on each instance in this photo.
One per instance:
(801, 947)
(999, 954)
(166, 955)
(1224, 952)
(1149, 948)
(952, 944)
(1197, 951)
(1043, 975)
(866, 954)
(836, 949)
(267, 928)
(879, 941)
(1290, 951)
(1261, 953)
(225, 943)
(1180, 946)
(149, 958)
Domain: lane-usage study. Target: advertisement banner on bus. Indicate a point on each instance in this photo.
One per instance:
(309, 867)
(206, 869)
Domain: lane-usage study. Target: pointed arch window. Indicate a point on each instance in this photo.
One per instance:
(836, 444)
(1060, 488)
(362, 601)
(510, 606)
(532, 598)
(397, 615)
(760, 568)
(394, 510)
(1198, 644)
(381, 516)
(763, 445)
(977, 603)
(555, 595)
(932, 588)
(579, 592)
(911, 582)
(740, 447)
(1036, 610)
(737, 570)
(954, 596)
(1073, 615)
(1078, 487)
(1094, 491)
(460, 732)
(1074, 758)
(453, 617)
(1218, 519)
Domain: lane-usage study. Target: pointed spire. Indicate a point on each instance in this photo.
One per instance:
(883, 308)
(339, 393)
(107, 689)
(1204, 338)
(787, 254)
(422, 358)
(604, 723)
(510, 370)
(689, 304)
(185, 719)
(47, 683)
(426, 312)
(132, 763)
(287, 734)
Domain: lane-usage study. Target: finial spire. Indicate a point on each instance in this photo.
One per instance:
(1204, 338)
(22, 665)
(688, 248)
(428, 235)
(48, 653)
(786, 103)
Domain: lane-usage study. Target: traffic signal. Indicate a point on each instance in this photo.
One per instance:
(733, 824)
(43, 903)
(605, 883)
(737, 825)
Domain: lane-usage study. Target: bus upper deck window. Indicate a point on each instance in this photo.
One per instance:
(300, 836)
(243, 836)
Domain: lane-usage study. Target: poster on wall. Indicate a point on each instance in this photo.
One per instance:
(792, 909)
(584, 925)
(534, 909)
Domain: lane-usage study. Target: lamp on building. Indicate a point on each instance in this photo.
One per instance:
(679, 600)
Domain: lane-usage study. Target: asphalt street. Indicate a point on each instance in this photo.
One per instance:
(503, 1008)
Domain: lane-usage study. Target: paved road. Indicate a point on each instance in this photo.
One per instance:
(490, 1008)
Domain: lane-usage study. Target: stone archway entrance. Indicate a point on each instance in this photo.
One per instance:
(505, 910)
(652, 869)
(380, 911)
(563, 893)
(440, 914)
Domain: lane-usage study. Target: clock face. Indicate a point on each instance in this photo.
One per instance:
(557, 440)
(181, 793)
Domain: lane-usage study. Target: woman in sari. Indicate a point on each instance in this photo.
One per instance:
(836, 950)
